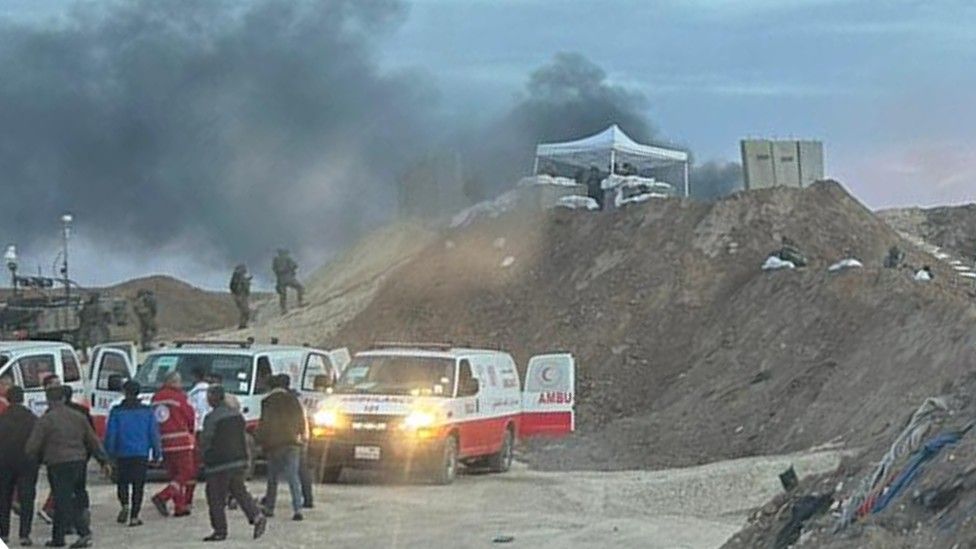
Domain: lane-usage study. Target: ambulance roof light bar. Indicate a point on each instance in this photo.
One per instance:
(412, 345)
(179, 344)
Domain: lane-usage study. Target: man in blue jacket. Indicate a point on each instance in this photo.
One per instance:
(131, 434)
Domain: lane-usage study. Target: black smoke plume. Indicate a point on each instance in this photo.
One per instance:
(715, 179)
(568, 98)
(231, 128)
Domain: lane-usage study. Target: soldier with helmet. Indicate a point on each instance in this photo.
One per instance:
(145, 309)
(285, 270)
(240, 288)
(92, 324)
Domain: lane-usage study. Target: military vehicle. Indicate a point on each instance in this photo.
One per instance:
(37, 308)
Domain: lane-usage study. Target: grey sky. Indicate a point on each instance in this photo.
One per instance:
(886, 84)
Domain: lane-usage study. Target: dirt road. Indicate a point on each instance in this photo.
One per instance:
(678, 508)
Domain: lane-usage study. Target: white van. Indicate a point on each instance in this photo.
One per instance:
(29, 363)
(428, 407)
(243, 367)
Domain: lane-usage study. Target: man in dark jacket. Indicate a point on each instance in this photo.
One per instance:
(224, 451)
(282, 433)
(132, 433)
(82, 496)
(17, 470)
(63, 440)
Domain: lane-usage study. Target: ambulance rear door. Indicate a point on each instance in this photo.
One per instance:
(549, 396)
(110, 367)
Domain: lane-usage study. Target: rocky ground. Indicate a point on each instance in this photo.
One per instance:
(692, 508)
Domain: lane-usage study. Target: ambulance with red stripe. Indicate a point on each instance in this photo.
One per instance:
(427, 408)
(243, 367)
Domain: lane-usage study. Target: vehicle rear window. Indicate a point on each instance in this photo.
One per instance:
(70, 364)
(233, 370)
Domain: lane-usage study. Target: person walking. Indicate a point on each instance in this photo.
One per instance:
(18, 470)
(240, 288)
(285, 270)
(63, 440)
(198, 400)
(282, 432)
(177, 422)
(305, 473)
(225, 461)
(82, 496)
(131, 435)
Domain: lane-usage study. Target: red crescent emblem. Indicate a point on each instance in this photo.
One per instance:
(546, 374)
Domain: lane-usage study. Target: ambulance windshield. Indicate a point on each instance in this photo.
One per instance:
(399, 375)
(234, 371)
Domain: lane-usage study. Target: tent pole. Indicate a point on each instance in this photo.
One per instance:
(687, 186)
(535, 168)
(613, 160)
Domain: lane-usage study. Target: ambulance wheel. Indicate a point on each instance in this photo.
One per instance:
(330, 475)
(446, 467)
(502, 461)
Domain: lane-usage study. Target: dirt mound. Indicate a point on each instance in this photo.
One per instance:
(952, 228)
(688, 353)
(338, 291)
(183, 309)
(934, 510)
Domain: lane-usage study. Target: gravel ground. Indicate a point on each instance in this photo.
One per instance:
(699, 507)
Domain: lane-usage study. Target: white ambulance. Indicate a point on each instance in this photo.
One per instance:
(28, 363)
(428, 407)
(243, 367)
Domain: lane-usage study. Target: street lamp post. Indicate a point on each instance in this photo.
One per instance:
(10, 257)
(66, 233)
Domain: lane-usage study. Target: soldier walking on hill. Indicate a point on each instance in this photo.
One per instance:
(285, 270)
(92, 324)
(240, 288)
(145, 309)
(894, 258)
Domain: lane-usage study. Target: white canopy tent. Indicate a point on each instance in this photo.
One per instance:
(607, 149)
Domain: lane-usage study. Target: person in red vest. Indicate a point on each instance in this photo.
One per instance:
(176, 420)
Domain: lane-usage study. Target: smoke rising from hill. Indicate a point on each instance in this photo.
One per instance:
(215, 132)
(238, 127)
(567, 98)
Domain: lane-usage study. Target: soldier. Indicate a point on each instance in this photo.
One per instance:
(594, 181)
(92, 324)
(790, 252)
(284, 268)
(894, 259)
(145, 309)
(240, 288)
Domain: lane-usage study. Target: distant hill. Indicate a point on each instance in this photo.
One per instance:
(184, 309)
(953, 228)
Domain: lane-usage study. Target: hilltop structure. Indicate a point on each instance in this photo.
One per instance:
(781, 163)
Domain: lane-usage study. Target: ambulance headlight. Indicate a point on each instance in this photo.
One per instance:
(419, 419)
(327, 419)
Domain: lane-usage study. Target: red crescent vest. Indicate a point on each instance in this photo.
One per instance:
(176, 419)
